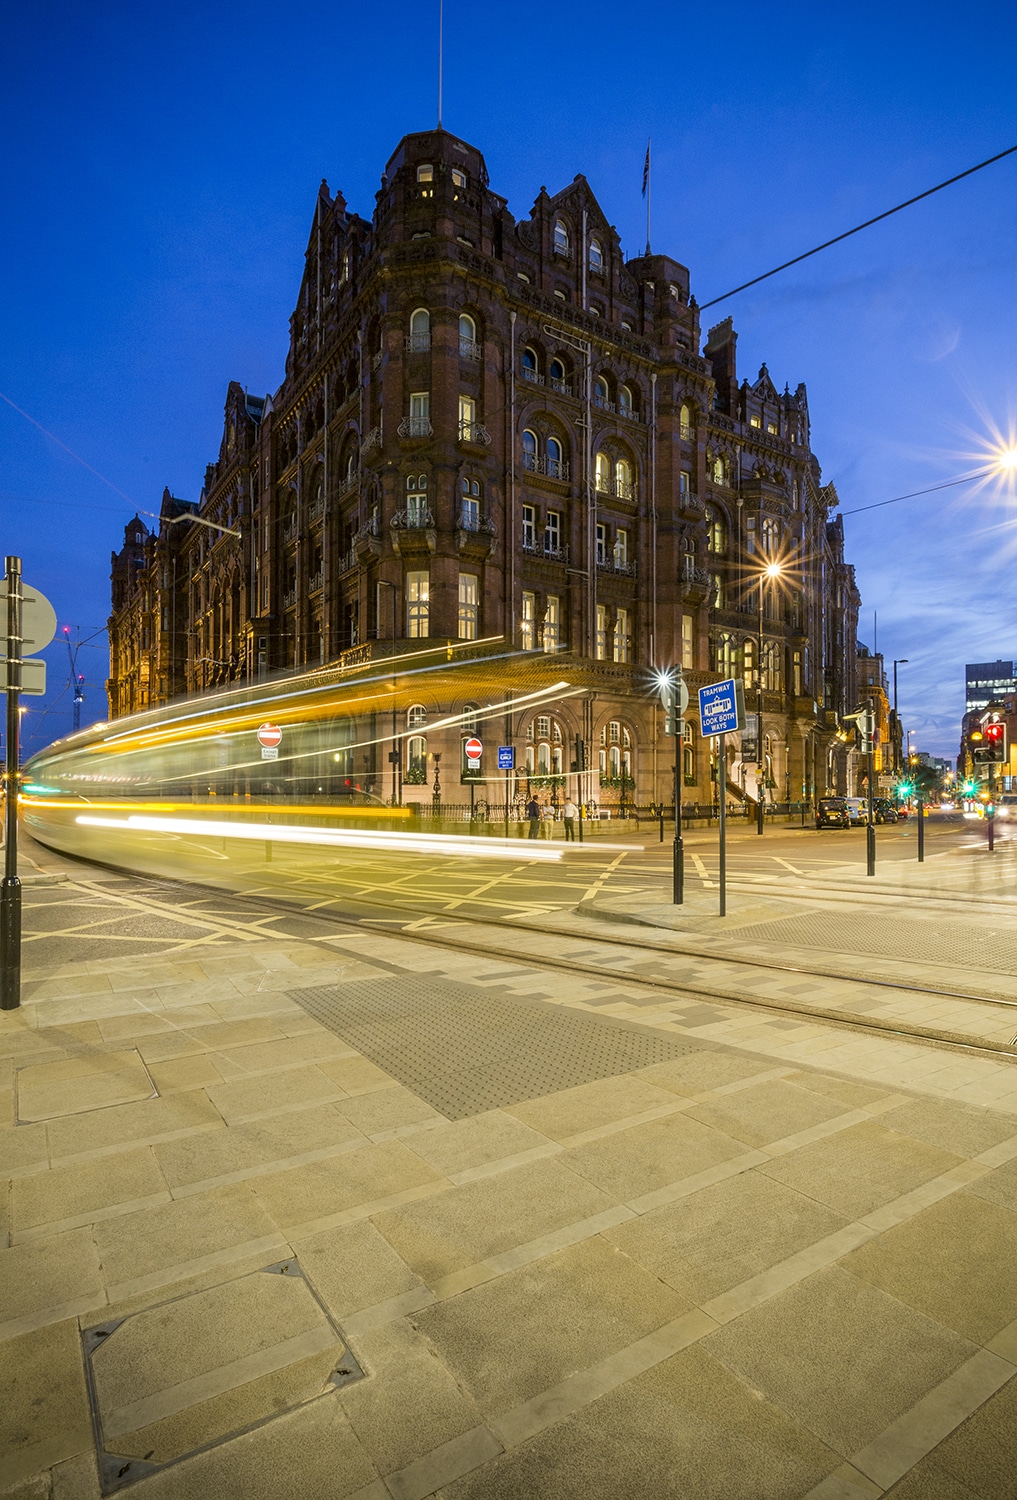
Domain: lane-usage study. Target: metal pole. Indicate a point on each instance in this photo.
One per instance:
(10, 892)
(921, 829)
(992, 810)
(870, 826)
(722, 780)
(679, 847)
(760, 755)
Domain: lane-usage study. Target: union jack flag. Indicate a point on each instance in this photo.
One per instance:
(646, 170)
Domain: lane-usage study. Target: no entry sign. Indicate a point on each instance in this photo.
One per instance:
(269, 736)
(474, 749)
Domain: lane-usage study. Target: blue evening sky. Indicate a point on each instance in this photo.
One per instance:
(160, 168)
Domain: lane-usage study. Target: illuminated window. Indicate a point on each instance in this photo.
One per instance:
(458, 178)
(416, 500)
(552, 625)
(621, 548)
(552, 531)
(601, 544)
(416, 761)
(417, 605)
(425, 172)
(684, 422)
(687, 641)
(529, 528)
(622, 638)
(527, 623)
(716, 531)
(601, 632)
(623, 486)
(755, 421)
(416, 715)
(603, 472)
(469, 606)
(420, 329)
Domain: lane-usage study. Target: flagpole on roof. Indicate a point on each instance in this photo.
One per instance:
(646, 192)
(441, 29)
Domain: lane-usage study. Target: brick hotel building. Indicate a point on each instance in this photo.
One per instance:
(499, 428)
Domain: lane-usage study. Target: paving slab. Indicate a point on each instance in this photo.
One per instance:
(44, 1415)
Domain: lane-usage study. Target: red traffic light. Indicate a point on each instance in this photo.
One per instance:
(995, 733)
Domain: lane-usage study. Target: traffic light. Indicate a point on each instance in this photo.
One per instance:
(995, 742)
(904, 790)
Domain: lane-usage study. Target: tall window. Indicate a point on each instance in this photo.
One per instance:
(552, 623)
(716, 531)
(530, 367)
(553, 465)
(688, 651)
(603, 472)
(470, 517)
(769, 534)
(623, 479)
(416, 500)
(685, 422)
(469, 606)
(420, 330)
(416, 760)
(684, 482)
(625, 400)
(601, 543)
(596, 256)
(601, 392)
(622, 638)
(749, 661)
(558, 376)
(562, 243)
(417, 605)
(552, 531)
(527, 624)
(601, 632)
(621, 548)
(531, 448)
(718, 599)
(468, 346)
(529, 528)
(420, 414)
(467, 416)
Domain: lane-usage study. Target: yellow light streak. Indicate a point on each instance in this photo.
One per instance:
(350, 838)
(288, 809)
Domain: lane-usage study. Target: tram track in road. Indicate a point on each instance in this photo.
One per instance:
(485, 938)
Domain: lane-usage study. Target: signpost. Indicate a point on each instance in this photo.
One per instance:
(270, 738)
(507, 763)
(722, 712)
(31, 624)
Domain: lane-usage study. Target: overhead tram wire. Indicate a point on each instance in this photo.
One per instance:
(946, 485)
(859, 227)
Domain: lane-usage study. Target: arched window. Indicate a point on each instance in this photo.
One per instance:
(625, 400)
(553, 455)
(531, 449)
(425, 172)
(559, 377)
(420, 330)
(562, 243)
(531, 366)
(468, 346)
(769, 535)
(469, 517)
(602, 394)
(543, 759)
(603, 472)
(416, 715)
(716, 531)
(596, 256)
(470, 722)
(416, 761)
(623, 486)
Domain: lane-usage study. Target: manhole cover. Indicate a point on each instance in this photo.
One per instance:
(466, 1050)
(195, 1370)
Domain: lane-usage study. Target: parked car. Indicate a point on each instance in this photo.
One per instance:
(1006, 805)
(885, 810)
(831, 812)
(857, 811)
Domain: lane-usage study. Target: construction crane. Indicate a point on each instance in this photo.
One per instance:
(77, 681)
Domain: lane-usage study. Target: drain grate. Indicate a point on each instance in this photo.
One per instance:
(466, 1050)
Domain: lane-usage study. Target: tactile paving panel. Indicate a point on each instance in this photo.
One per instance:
(926, 940)
(465, 1050)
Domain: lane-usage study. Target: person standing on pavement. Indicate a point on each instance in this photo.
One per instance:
(533, 813)
(570, 813)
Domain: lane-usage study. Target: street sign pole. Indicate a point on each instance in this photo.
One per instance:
(10, 892)
(722, 782)
(870, 826)
(722, 712)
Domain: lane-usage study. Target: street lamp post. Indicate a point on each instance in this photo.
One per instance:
(899, 661)
(772, 570)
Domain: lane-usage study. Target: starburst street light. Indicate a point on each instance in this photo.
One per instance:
(770, 572)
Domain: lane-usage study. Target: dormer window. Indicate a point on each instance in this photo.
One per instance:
(425, 172)
(458, 178)
(562, 243)
(755, 421)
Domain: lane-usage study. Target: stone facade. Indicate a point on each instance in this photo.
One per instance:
(505, 432)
